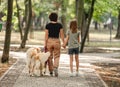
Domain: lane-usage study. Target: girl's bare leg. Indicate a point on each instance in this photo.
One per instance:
(77, 63)
(71, 63)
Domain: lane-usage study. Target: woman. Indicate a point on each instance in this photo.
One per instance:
(53, 32)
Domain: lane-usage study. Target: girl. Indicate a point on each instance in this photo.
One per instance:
(73, 40)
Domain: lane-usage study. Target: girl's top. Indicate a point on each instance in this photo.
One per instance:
(53, 29)
(73, 39)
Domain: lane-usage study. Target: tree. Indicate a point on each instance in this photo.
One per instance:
(108, 7)
(19, 22)
(76, 7)
(118, 28)
(31, 36)
(117, 4)
(80, 7)
(28, 10)
(0, 2)
(5, 55)
(88, 24)
(63, 17)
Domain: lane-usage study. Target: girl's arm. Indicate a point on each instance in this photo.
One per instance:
(79, 38)
(66, 41)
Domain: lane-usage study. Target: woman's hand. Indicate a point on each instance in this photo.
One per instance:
(64, 46)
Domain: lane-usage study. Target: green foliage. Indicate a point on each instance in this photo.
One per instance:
(3, 6)
(103, 44)
(45, 7)
(15, 23)
(4, 18)
(70, 10)
(102, 8)
(3, 9)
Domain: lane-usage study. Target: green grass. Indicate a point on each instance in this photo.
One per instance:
(97, 38)
(103, 44)
(102, 38)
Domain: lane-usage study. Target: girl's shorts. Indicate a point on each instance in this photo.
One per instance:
(72, 51)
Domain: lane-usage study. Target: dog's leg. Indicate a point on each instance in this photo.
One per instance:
(29, 66)
(32, 67)
(37, 68)
(41, 68)
(45, 66)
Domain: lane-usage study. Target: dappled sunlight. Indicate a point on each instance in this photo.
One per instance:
(93, 58)
(18, 55)
(98, 59)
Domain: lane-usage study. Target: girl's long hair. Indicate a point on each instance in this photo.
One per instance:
(73, 26)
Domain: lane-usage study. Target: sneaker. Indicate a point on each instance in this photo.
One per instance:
(72, 74)
(51, 73)
(77, 73)
(56, 72)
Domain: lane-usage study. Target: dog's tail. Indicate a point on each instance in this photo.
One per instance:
(44, 49)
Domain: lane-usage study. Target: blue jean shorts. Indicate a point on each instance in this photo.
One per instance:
(72, 51)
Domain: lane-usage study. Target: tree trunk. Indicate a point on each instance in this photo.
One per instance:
(31, 32)
(63, 17)
(32, 26)
(118, 28)
(27, 24)
(80, 8)
(0, 2)
(76, 7)
(19, 22)
(83, 25)
(5, 56)
(96, 25)
(88, 24)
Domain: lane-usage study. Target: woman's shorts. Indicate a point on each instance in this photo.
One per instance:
(72, 51)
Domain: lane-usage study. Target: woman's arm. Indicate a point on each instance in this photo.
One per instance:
(62, 35)
(79, 39)
(46, 37)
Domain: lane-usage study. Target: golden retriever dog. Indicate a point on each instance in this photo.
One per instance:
(40, 60)
(31, 52)
(36, 61)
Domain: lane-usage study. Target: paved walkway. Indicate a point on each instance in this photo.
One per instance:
(17, 75)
